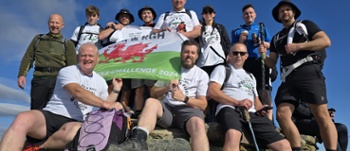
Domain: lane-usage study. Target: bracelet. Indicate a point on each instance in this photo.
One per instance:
(186, 99)
(116, 91)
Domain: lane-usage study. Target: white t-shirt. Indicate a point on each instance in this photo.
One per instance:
(240, 85)
(175, 18)
(89, 34)
(193, 83)
(210, 39)
(64, 103)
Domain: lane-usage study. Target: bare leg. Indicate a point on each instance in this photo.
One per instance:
(62, 137)
(327, 128)
(30, 123)
(282, 145)
(139, 99)
(284, 115)
(153, 109)
(125, 97)
(196, 128)
(232, 140)
(267, 101)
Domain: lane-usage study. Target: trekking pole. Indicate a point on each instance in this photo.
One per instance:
(263, 56)
(246, 117)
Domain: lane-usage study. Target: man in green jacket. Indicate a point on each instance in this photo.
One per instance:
(50, 52)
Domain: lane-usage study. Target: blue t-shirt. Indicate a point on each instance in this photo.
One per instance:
(251, 45)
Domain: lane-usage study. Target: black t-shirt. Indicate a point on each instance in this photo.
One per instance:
(280, 40)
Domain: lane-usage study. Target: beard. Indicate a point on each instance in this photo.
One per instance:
(187, 65)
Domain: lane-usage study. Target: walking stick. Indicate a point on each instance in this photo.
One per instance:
(263, 56)
(246, 117)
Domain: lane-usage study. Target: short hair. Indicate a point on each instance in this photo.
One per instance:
(90, 10)
(189, 42)
(88, 44)
(246, 7)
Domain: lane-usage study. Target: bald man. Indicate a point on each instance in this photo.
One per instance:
(49, 53)
(78, 89)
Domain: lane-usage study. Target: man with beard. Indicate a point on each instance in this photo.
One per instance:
(184, 98)
(302, 56)
(239, 92)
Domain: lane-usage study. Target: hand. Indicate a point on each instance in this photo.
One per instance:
(113, 105)
(264, 110)
(177, 94)
(291, 48)
(243, 38)
(110, 24)
(246, 103)
(22, 82)
(117, 83)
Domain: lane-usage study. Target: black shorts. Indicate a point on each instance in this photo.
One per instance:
(254, 66)
(264, 131)
(53, 123)
(306, 84)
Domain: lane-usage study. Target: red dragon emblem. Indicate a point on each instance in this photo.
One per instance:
(131, 52)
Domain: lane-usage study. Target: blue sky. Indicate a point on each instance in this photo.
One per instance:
(21, 20)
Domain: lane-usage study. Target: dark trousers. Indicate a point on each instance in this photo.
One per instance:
(41, 91)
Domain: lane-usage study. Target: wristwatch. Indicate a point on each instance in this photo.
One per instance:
(186, 99)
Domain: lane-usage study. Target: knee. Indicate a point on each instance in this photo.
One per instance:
(195, 124)
(21, 121)
(233, 136)
(282, 117)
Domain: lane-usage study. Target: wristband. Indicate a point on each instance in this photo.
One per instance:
(186, 99)
(116, 91)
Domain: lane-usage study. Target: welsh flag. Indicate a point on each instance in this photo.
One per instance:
(142, 55)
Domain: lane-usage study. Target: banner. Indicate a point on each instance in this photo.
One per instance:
(142, 55)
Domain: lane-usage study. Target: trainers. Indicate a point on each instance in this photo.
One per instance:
(31, 148)
(137, 141)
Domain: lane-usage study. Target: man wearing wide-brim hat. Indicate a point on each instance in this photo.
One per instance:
(147, 15)
(124, 17)
(301, 45)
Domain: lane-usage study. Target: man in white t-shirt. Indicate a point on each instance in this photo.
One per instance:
(184, 98)
(179, 15)
(78, 89)
(239, 92)
(88, 32)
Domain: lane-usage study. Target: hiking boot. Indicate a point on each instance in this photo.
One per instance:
(137, 141)
(31, 148)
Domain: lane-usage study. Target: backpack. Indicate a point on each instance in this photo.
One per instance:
(100, 129)
(81, 29)
(187, 11)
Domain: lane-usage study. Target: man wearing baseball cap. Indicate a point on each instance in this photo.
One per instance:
(301, 46)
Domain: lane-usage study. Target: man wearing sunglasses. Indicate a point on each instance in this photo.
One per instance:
(239, 92)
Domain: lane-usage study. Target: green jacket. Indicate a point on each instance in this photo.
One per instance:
(49, 52)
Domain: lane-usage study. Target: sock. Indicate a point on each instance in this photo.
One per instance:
(142, 128)
(296, 148)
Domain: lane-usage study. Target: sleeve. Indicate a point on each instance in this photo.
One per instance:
(218, 75)
(234, 36)
(255, 85)
(28, 58)
(75, 34)
(311, 28)
(195, 20)
(116, 36)
(161, 83)
(67, 75)
(203, 84)
(272, 45)
(104, 89)
(225, 44)
(160, 22)
(71, 55)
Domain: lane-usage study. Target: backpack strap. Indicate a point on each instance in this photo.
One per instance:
(80, 33)
(228, 74)
(187, 11)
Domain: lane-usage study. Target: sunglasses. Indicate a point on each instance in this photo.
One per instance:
(235, 53)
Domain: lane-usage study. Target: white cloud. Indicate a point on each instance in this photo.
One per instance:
(11, 94)
(7, 109)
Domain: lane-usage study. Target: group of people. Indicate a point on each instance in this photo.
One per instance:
(213, 69)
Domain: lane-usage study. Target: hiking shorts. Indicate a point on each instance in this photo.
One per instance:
(253, 65)
(53, 123)
(306, 84)
(177, 116)
(264, 131)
